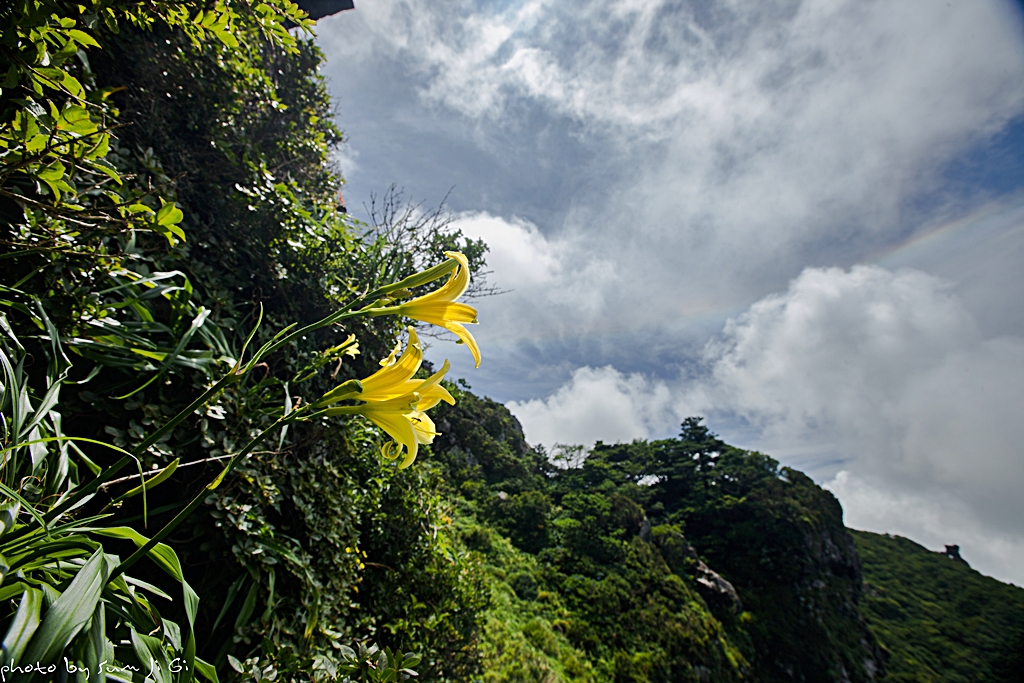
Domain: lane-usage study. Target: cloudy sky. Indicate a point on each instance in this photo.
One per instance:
(802, 220)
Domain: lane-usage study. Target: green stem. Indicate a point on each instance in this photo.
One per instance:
(240, 370)
(343, 314)
(112, 470)
(201, 496)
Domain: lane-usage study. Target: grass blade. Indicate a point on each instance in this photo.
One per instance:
(207, 671)
(23, 626)
(161, 553)
(152, 654)
(71, 611)
(158, 478)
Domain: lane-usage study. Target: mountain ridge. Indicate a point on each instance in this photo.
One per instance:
(580, 559)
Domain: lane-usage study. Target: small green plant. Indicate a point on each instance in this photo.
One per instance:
(75, 600)
(373, 665)
(368, 664)
(93, 250)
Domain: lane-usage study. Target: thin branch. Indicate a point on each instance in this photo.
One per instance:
(103, 487)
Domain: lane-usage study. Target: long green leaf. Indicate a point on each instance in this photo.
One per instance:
(100, 649)
(153, 656)
(189, 657)
(247, 607)
(65, 547)
(233, 589)
(147, 281)
(11, 590)
(23, 626)
(173, 633)
(49, 401)
(156, 479)
(8, 515)
(162, 554)
(21, 544)
(28, 506)
(207, 671)
(146, 586)
(191, 603)
(71, 611)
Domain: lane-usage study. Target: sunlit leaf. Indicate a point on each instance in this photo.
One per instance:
(23, 626)
(66, 617)
(162, 554)
(153, 481)
(83, 38)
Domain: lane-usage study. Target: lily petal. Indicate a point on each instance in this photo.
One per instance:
(389, 381)
(441, 308)
(466, 338)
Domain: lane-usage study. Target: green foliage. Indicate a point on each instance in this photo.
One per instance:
(780, 540)
(609, 538)
(206, 122)
(55, 140)
(939, 619)
(72, 595)
(524, 637)
(576, 593)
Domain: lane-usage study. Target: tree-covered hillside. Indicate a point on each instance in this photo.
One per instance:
(674, 560)
(939, 619)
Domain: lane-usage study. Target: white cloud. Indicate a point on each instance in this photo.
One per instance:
(834, 352)
(885, 370)
(734, 140)
(964, 428)
(517, 251)
(931, 520)
(550, 286)
(881, 371)
(597, 404)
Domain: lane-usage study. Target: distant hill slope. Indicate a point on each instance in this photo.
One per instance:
(652, 562)
(939, 619)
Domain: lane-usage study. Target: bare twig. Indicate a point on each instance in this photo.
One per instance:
(103, 487)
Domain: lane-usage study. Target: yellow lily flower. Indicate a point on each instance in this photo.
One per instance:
(391, 380)
(395, 402)
(395, 418)
(423, 426)
(395, 379)
(430, 390)
(425, 432)
(402, 419)
(441, 308)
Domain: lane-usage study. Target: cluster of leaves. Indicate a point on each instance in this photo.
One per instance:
(778, 538)
(938, 619)
(370, 664)
(71, 591)
(599, 559)
(578, 595)
(55, 141)
(127, 128)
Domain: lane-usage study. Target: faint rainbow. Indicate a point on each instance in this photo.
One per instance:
(987, 218)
